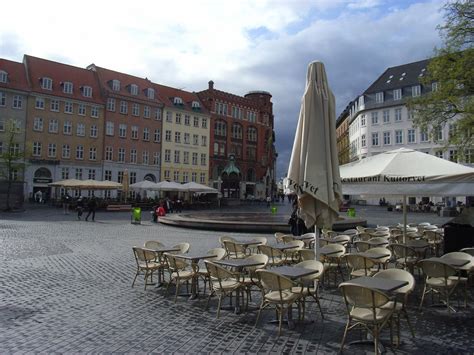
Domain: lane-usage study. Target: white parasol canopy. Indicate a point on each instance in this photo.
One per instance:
(313, 173)
(195, 187)
(407, 172)
(144, 185)
(87, 184)
(169, 186)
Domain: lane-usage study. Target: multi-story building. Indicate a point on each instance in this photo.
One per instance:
(185, 146)
(242, 153)
(379, 119)
(13, 106)
(65, 121)
(132, 137)
(342, 136)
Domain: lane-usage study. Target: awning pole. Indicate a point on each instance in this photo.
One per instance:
(316, 242)
(404, 219)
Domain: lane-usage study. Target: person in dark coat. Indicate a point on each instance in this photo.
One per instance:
(80, 207)
(92, 206)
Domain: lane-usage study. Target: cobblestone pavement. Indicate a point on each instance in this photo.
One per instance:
(65, 286)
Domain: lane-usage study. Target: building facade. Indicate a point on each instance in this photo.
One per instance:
(186, 138)
(242, 151)
(342, 136)
(64, 129)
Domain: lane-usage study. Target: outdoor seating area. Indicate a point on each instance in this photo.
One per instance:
(383, 284)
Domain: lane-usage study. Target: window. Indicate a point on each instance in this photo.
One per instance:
(157, 137)
(204, 141)
(203, 159)
(168, 136)
(167, 155)
(93, 131)
(150, 93)
(54, 105)
(363, 121)
(145, 157)
(80, 130)
(177, 137)
(122, 130)
(398, 137)
(187, 120)
(17, 101)
(3, 99)
(411, 115)
(167, 174)
(135, 109)
(146, 134)
(186, 157)
(386, 116)
(156, 158)
(176, 176)
(123, 107)
(39, 103)
(108, 175)
(178, 118)
(53, 126)
(398, 115)
(133, 156)
(67, 127)
(453, 155)
(68, 108)
(424, 135)
(439, 154)
(134, 89)
(375, 138)
(67, 87)
(169, 116)
(221, 108)
(92, 153)
(236, 131)
(81, 109)
(185, 177)
(387, 138)
(195, 139)
(196, 121)
(195, 159)
(64, 173)
(397, 94)
(158, 114)
(111, 104)
(38, 124)
(121, 155)
(415, 90)
(134, 132)
(80, 152)
(52, 150)
(216, 148)
(411, 136)
(66, 152)
(363, 141)
(434, 86)
(202, 178)
(120, 177)
(379, 97)
(177, 156)
(78, 173)
(86, 91)
(109, 153)
(91, 174)
(46, 83)
(452, 130)
(438, 134)
(115, 85)
(95, 112)
(186, 138)
(252, 134)
(146, 111)
(3, 76)
(194, 177)
(375, 118)
(237, 112)
(204, 123)
(109, 128)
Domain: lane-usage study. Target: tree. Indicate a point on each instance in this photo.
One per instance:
(450, 74)
(11, 158)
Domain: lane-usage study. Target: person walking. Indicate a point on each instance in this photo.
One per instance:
(80, 207)
(66, 203)
(92, 206)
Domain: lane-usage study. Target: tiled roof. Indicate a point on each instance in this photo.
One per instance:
(167, 95)
(399, 76)
(39, 68)
(106, 76)
(16, 75)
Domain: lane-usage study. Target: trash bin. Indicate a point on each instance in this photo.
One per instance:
(351, 212)
(136, 215)
(274, 210)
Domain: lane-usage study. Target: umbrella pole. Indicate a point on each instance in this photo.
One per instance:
(316, 242)
(404, 218)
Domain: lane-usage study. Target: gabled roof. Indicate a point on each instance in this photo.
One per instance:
(410, 74)
(167, 95)
(106, 76)
(16, 75)
(39, 68)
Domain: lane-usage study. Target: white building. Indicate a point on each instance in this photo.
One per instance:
(380, 121)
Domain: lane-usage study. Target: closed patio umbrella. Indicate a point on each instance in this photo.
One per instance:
(313, 173)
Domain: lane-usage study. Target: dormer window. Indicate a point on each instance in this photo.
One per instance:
(86, 91)
(196, 105)
(178, 101)
(47, 83)
(3, 76)
(150, 93)
(116, 85)
(134, 89)
(379, 97)
(67, 87)
(416, 90)
(397, 94)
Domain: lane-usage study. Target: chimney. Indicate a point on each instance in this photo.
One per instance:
(211, 85)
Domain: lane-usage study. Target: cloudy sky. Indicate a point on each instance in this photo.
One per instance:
(241, 45)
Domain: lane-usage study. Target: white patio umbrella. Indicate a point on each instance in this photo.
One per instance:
(313, 173)
(144, 185)
(169, 186)
(195, 187)
(406, 172)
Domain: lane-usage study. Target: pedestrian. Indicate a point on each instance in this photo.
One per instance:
(39, 196)
(80, 207)
(66, 203)
(269, 199)
(92, 206)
